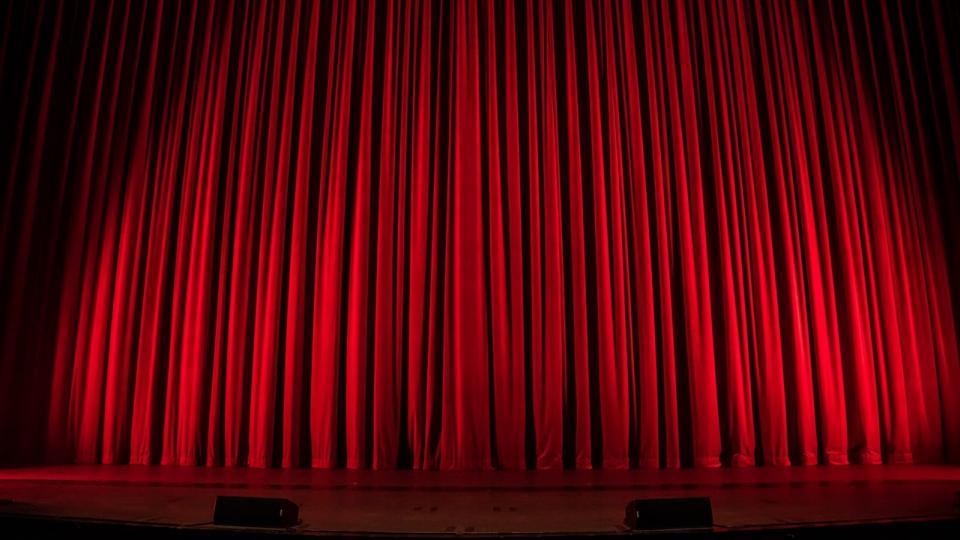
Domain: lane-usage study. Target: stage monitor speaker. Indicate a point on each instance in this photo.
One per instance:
(255, 512)
(676, 513)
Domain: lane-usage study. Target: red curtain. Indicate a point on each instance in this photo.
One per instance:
(458, 234)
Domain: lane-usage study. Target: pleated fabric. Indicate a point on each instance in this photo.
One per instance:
(479, 234)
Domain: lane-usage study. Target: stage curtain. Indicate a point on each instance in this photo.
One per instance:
(479, 234)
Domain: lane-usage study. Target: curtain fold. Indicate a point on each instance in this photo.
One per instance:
(479, 234)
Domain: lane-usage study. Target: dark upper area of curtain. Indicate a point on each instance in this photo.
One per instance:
(479, 234)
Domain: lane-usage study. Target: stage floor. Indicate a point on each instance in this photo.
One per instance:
(484, 502)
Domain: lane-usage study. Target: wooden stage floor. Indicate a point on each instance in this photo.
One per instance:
(413, 502)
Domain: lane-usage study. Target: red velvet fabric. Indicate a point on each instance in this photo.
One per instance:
(485, 234)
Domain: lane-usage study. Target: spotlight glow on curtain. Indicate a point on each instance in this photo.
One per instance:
(458, 234)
